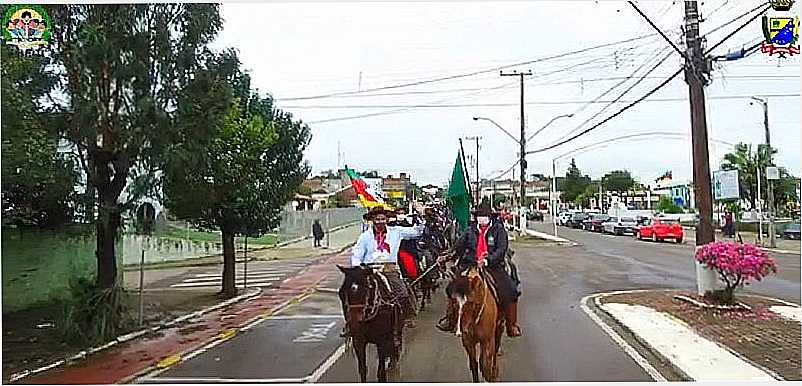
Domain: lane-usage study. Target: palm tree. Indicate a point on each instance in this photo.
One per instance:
(746, 162)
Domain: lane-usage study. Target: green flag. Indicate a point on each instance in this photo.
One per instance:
(457, 196)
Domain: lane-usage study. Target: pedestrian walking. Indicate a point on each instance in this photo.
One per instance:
(317, 232)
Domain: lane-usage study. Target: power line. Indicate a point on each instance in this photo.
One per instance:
(637, 82)
(627, 107)
(736, 19)
(737, 29)
(439, 106)
(473, 73)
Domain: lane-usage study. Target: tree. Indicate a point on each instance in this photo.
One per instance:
(122, 68)
(574, 183)
(618, 181)
(304, 190)
(746, 162)
(737, 264)
(37, 179)
(666, 205)
(590, 191)
(238, 160)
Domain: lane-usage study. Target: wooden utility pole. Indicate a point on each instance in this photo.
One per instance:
(695, 69)
(523, 144)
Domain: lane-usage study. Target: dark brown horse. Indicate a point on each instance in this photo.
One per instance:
(479, 321)
(372, 318)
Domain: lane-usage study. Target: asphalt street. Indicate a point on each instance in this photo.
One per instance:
(560, 342)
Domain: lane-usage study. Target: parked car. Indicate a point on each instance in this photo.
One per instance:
(661, 229)
(620, 226)
(791, 232)
(594, 223)
(563, 218)
(576, 220)
(535, 216)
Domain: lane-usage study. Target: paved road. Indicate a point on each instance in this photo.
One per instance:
(560, 342)
(674, 261)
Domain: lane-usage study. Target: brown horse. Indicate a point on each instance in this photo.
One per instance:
(479, 321)
(372, 318)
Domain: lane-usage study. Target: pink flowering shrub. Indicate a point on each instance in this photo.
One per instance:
(737, 264)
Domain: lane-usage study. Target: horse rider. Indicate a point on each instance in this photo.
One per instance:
(485, 243)
(379, 245)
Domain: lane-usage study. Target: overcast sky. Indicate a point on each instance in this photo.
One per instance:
(309, 49)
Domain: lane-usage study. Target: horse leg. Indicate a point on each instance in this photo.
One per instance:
(381, 374)
(359, 348)
(487, 359)
(499, 334)
(470, 350)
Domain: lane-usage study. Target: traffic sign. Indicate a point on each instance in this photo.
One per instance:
(725, 185)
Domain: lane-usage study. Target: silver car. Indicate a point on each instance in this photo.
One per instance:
(619, 226)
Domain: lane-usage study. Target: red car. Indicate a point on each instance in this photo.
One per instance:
(660, 229)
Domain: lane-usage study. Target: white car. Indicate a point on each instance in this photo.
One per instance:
(563, 218)
(619, 226)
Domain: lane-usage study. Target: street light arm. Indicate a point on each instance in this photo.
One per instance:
(547, 125)
(499, 126)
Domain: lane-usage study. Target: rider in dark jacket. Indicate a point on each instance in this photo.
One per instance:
(490, 250)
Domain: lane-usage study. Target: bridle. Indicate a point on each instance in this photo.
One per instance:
(373, 301)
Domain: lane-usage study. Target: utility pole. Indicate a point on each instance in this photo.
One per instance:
(695, 67)
(769, 183)
(476, 164)
(554, 190)
(523, 147)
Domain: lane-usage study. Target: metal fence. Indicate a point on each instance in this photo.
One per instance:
(295, 224)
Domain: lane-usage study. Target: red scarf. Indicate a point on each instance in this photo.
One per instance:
(481, 242)
(381, 241)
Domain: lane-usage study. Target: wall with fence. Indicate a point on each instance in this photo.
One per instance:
(295, 224)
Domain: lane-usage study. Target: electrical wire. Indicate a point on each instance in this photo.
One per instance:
(619, 112)
(473, 73)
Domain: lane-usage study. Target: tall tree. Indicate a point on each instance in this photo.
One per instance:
(237, 159)
(746, 161)
(37, 179)
(122, 67)
(617, 181)
(574, 183)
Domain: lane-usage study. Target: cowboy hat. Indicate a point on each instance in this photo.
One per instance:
(375, 211)
(483, 209)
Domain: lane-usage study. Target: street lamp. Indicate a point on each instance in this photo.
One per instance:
(770, 187)
(522, 160)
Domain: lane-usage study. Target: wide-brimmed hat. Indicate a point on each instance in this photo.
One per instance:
(483, 209)
(375, 211)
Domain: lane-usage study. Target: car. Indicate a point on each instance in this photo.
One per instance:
(791, 232)
(594, 223)
(576, 220)
(563, 217)
(535, 216)
(658, 229)
(620, 226)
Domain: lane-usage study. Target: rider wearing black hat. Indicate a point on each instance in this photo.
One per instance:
(485, 243)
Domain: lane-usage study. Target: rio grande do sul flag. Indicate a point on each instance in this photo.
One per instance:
(367, 197)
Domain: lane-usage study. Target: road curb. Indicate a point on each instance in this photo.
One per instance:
(132, 335)
(171, 361)
(590, 305)
(546, 236)
(596, 308)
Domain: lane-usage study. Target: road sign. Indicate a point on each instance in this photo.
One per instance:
(772, 173)
(725, 185)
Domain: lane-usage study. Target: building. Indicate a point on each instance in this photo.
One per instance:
(680, 192)
(397, 189)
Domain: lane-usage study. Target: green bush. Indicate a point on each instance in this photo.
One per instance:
(93, 315)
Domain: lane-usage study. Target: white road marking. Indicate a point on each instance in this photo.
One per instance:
(217, 283)
(290, 317)
(788, 312)
(224, 380)
(315, 333)
(217, 277)
(634, 354)
(699, 358)
(332, 359)
(255, 272)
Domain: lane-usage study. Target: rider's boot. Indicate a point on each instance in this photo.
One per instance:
(511, 316)
(448, 322)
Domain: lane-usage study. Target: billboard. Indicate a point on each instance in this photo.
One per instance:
(725, 185)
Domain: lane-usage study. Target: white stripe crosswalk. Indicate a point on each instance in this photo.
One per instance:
(258, 277)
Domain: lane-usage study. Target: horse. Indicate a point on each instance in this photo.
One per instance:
(479, 321)
(372, 318)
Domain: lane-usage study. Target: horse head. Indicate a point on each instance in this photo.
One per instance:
(358, 290)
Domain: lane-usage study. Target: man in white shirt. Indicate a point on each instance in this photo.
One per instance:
(379, 245)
